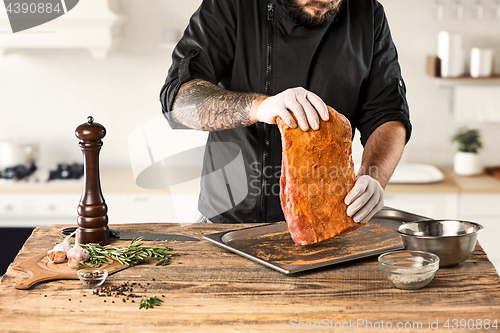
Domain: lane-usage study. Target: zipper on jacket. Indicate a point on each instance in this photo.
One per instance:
(265, 155)
(270, 18)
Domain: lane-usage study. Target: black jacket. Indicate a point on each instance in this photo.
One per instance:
(254, 46)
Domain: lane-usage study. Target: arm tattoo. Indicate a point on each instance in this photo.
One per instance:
(203, 105)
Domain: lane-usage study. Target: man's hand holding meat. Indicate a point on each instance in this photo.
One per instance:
(365, 199)
(380, 157)
(306, 106)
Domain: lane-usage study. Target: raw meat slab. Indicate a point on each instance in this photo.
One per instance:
(317, 173)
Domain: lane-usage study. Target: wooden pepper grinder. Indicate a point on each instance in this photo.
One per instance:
(92, 210)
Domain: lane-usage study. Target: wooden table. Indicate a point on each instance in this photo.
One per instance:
(209, 289)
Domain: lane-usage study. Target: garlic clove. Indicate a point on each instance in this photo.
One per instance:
(56, 257)
(73, 263)
(51, 255)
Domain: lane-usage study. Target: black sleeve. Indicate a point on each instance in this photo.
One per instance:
(204, 52)
(385, 92)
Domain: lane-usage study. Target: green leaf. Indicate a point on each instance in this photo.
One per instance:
(468, 140)
(149, 302)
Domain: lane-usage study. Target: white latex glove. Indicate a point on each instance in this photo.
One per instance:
(365, 199)
(305, 106)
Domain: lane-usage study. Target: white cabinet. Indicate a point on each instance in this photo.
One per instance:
(480, 204)
(484, 208)
(36, 205)
(38, 209)
(433, 205)
(140, 208)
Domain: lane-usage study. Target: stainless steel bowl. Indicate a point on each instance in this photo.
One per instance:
(451, 240)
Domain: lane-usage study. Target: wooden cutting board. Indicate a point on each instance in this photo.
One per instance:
(41, 269)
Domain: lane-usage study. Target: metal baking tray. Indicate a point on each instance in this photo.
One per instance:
(272, 246)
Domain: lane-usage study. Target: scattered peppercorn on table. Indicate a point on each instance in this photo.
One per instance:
(206, 288)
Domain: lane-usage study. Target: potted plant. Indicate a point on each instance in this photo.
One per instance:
(467, 161)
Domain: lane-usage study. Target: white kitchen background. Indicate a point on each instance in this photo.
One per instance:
(45, 93)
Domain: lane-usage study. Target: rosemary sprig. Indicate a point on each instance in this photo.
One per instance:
(130, 255)
(149, 302)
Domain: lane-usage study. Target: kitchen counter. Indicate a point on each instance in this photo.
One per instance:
(209, 289)
(121, 179)
(452, 183)
(113, 179)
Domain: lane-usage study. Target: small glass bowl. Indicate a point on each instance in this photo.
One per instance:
(408, 269)
(92, 277)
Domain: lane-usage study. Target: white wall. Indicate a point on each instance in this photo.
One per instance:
(415, 29)
(46, 94)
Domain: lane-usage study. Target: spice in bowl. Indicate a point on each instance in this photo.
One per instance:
(408, 269)
(92, 277)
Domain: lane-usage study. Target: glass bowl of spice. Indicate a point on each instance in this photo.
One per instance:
(408, 269)
(92, 277)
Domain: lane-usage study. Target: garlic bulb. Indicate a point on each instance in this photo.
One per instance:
(64, 246)
(58, 253)
(77, 252)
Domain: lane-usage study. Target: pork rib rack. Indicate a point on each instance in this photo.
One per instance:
(317, 172)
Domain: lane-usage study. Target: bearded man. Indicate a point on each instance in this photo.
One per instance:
(243, 63)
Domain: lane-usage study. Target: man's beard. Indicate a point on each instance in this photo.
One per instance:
(300, 16)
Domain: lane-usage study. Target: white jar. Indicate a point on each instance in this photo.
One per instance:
(481, 62)
(450, 53)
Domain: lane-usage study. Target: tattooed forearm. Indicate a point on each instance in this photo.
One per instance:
(202, 105)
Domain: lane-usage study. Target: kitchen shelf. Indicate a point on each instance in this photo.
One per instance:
(467, 81)
(459, 87)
